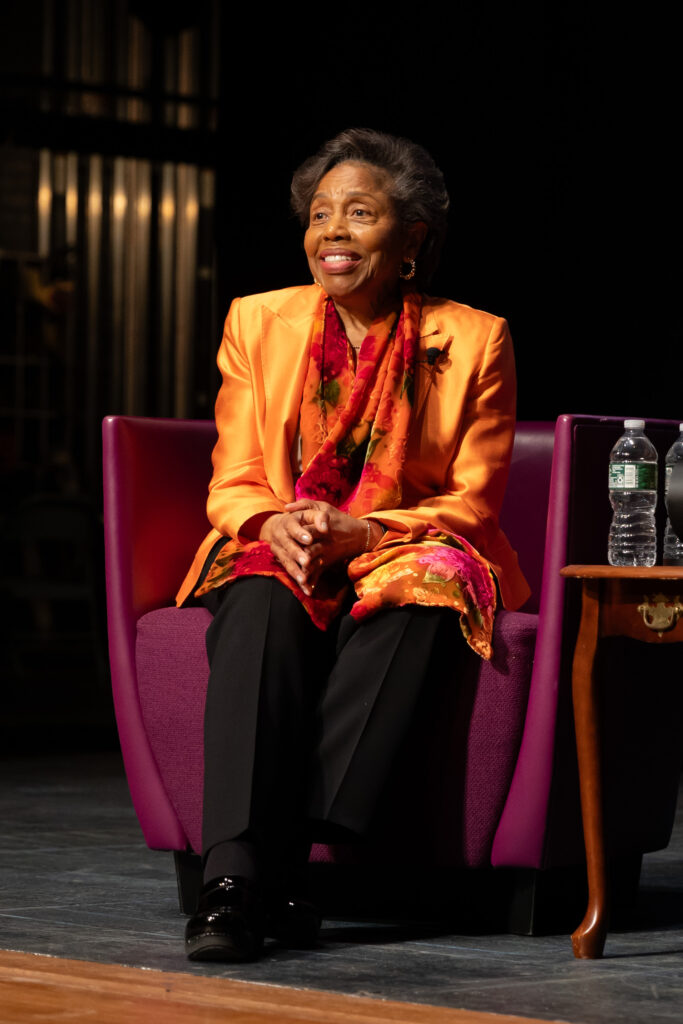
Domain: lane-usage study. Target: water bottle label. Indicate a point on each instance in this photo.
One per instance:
(633, 476)
(667, 477)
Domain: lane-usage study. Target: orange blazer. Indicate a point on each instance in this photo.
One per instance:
(458, 452)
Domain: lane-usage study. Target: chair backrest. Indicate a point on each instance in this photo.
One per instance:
(579, 514)
(525, 508)
(590, 512)
(156, 475)
(156, 464)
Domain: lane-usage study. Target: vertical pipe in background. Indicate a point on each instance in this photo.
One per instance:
(43, 241)
(44, 201)
(136, 285)
(187, 76)
(186, 263)
(143, 211)
(58, 218)
(171, 79)
(92, 55)
(72, 100)
(71, 200)
(56, 269)
(47, 57)
(71, 233)
(138, 69)
(186, 234)
(93, 234)
(205, 319)
(119, 42)
(167, 229)
(119, 208)
(130, 268)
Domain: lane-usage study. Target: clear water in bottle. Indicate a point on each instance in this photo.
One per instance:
(633, 495)
(673, 545)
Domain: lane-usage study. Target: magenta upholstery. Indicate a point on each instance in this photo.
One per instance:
(155, 475)
(492, 772)
(472, 754)
(170, 651)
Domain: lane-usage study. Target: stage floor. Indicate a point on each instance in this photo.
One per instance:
(78, 882)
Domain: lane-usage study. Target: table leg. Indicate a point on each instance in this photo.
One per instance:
(588, 940)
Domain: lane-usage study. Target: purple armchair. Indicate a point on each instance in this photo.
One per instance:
(497, 782)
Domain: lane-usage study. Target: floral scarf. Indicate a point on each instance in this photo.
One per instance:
(354, 430)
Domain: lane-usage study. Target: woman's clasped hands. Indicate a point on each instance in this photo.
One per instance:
(310, 536)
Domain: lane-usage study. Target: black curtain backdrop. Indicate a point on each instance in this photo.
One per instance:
(555, 127)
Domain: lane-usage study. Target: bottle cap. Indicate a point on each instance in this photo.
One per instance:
(634, 424)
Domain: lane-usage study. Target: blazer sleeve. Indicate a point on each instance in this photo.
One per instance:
(475, 477)
(239, 488)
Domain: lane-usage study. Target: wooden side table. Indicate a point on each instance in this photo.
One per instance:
(642, 603)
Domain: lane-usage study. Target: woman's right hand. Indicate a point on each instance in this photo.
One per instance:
(289, 541)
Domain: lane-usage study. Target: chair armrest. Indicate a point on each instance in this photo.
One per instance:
(156, 474)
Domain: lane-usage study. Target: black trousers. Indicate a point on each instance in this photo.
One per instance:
(303, 726)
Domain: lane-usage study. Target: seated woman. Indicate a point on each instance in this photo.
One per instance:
(365, 432)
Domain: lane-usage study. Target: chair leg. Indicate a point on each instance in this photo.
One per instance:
(188, 870)
(546, 902)
(552, 901)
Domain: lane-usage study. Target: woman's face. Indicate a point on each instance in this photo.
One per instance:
(355, 243)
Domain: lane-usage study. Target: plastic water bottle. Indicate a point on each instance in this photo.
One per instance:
(673, 545)
(633, 494)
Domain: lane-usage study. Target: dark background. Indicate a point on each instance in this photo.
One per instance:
(555, 127)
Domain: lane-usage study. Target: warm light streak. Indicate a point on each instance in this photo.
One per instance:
(191, 209)
(143, 206)
(44, 201)
(95, 202)
(167, 208)
(119, 203)
(71, 202)
(44, 198)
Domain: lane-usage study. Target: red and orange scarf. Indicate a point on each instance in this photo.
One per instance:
(354, 428)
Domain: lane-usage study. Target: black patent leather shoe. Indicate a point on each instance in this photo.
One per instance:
(229, 923)
(293, 922)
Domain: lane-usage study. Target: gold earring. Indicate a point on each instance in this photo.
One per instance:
(411, 273)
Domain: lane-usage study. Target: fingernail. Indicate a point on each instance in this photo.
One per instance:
(305, 537)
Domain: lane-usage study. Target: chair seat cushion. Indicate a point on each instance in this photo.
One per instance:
(452, 779)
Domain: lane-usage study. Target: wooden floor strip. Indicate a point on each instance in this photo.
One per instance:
(37, 988)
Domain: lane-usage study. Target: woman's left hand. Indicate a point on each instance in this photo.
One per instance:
(335, 535)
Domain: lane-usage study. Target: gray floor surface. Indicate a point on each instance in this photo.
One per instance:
(76, 880)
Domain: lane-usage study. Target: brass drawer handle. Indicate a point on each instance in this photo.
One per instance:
(660, 613)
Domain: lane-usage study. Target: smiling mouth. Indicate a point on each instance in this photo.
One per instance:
(339, 262)
(339, 257)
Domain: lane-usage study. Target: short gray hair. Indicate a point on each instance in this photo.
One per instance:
(416, 184)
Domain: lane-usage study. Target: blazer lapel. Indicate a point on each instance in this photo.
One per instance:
(429, 363)
(285, 351)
